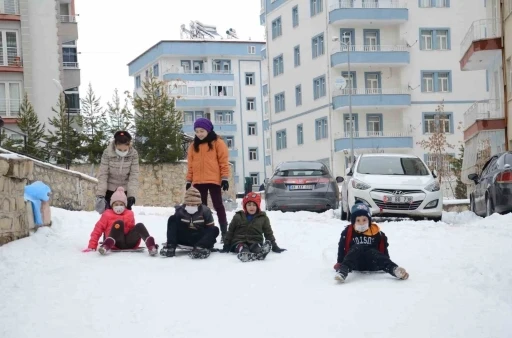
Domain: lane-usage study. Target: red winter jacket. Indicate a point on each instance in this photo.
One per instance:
(107, 220)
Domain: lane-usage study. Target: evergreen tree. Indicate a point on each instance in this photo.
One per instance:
(29, 125)
(95, 127)
(119, 117)
(158, 124)
(64, 137)
(460, 188)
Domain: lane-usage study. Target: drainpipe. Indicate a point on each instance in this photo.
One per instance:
(328, 89)
(504, 72)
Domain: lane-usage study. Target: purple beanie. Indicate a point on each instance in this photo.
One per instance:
(203, 123)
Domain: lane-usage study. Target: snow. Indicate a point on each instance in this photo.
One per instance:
(455, 201)
(10, 156)
(459, 285)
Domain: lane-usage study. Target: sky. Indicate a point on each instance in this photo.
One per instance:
(111, 33)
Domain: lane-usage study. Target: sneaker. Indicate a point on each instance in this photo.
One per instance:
(107, 245)
(152, 247)
(168, 251)
(243, 253)
(341, 274)
(400, 273)
(199, 253)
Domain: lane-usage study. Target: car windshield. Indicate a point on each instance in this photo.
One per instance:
(383, 165)
(299, 172)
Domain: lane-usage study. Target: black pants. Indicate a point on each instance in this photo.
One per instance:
(179, 232)
(108, 196)
(216, 195)
(130, 240)
(363, 258)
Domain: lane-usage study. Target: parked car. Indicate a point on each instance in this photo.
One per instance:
(302, 185)
(493, 187)
(393, 185)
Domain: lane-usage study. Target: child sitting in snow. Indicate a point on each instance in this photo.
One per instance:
(246, 230)
(118, 226)
(363, 247)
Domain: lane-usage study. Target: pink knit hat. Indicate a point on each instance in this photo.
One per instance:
(119, 196)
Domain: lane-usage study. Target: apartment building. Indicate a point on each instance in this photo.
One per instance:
(389, 62)
(218, 80)
(487, 46)
(38, 51)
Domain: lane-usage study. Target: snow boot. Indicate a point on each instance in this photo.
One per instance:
(400, 273)
(152, 247)
(260, 252)
(107, 245)
(199, 253)
(341, 274)
(168, 250)
(222, 236)
(244, 254)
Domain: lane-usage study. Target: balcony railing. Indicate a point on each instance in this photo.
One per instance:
(71, 65)
(480, 30)
(68, 18)
(367, 4)
(363, 134)
(493, 109)
(190, 123)
(371, 91)
(10, 7)
(10, 108)
(369, 48)
(181, 70)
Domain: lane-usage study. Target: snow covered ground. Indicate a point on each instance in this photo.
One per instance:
(460, 284)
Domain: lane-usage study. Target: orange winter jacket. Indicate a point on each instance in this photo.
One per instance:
(107, 220)
(208, 166)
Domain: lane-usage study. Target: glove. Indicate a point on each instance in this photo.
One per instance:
(188, 186)
(337, 266)
(88, 250)
(100, 204)
(276, 248)
(225, 185)
(131, 202)
(225, 248)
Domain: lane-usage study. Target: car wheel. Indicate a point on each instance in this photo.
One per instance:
(472, 205)
(435, 219)
(343, 214)
(489, 210)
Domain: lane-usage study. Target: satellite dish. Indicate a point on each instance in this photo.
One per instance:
(340, 83)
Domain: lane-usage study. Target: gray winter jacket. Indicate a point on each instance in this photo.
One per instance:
(116, 171)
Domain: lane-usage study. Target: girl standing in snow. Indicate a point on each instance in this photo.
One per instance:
(363, 247)
(119, 168)
(117, 225)
(208, 168)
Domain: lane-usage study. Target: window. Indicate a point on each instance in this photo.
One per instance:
(434, 3)
(12, 7)
(10, 98)
(436, 81)
(69, 55)
(347, 124)
(437, 123)
(391, 165)
(251, 49)
(186, 65)
(10, 54)
(296, 56)
(277, 29)
(298, 95)
(373, 125)
(300, 134)
(198, 67)
(316, 7)
(371, 40)
(279, 102)
(221, 117)
(440, 162)
(435, 39)
(278, 65)
(321, 128)
(72, 98)
(230, 142)
(264, 89)
(253, 154)
(372, 82)
(267, 143)
(281, 140)
(351, 79)
(509, 71)
(251, 103)
(156, 71)
(222, 66)
(251, 129)
(255, 178)
(317, 45)
(249, 79)
(295, 16)
(268, 161)
(137, 81)
(319, 87)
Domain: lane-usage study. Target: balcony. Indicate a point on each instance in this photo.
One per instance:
(484, 116)
(68, 18)
(481, 45)
(375, 140)
(10, 10)
(362, 55)
(68, 29)
(10, 108)
(189, 101)
(11, 61)
(362, 12)
(219, 127)
(384, 97)
(70, 65)
(192, 75)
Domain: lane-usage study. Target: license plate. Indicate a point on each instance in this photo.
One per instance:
(398, 199)
(301, 187)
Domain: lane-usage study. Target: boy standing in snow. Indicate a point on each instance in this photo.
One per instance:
(119, 228)
(246, 230)
(363, 247)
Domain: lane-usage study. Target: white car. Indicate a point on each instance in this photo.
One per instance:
(393, 185)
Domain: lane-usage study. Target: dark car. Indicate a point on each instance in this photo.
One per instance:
(302, 186)
(493, 187)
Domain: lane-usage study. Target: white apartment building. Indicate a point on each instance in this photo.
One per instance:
(403, 60)
(218, 80)
(37, 46)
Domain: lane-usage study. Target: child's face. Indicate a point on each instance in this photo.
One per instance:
(361, 220)
(118, 204)
(251, 207)
(201, 133)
